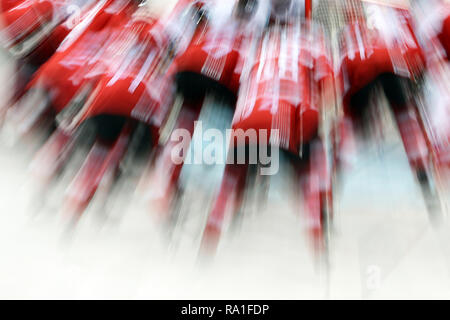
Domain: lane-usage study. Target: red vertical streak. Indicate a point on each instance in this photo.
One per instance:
(308, 9)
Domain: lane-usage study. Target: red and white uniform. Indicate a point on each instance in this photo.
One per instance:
(221, 44)
(432, 25)
(283, 88)
(384, 42)
(35, 28)
(64, 74)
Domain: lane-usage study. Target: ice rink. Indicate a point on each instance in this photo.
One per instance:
(382, 245)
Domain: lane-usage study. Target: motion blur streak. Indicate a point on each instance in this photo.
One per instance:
(289, 134)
